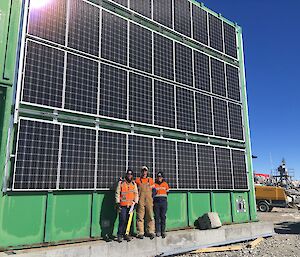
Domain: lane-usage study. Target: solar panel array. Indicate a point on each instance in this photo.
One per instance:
(85, 59)
(62, 156)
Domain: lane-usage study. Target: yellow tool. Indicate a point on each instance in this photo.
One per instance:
(130, 219)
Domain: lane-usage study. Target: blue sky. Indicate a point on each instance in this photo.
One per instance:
(271, 31)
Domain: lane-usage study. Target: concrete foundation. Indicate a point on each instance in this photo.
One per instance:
(175, 242)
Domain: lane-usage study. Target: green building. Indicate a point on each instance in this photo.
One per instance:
(89, 88)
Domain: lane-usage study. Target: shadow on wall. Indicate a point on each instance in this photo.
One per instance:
(108, 215)
(288, 228)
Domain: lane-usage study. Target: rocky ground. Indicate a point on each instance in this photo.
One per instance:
(286, 242)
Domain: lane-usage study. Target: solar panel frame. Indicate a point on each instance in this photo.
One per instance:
(83, 27)
(140, 98)
(140, 153)
(220, 114)
(33, 143)
(239, 169)
(112, 158)
(163, 12)
(233, 82)
(218, 81)
(202, 71)
(43, 81)
(206, 167)
(140, 48)
(165, 160)
(185, 113)
(215, 33)
(236, 121)
(163, 57)
(224, 169)
(113, 92)
(182, 17)
(143, 7)
(199, 21)
(187, 166)
(113, 38)
(49, 22)
(230, 40)
(78, 158)
(81, 89)
(183, 64)
(164, 104)
(204, 114)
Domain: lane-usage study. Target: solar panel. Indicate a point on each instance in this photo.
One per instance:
(206, 167)
(142, 7)
(114, 38)
(236, 121)
(230, 40)
(163, 57)
(140, 98)
(218, 77)
(239, 169)
(220, 117)
(113, 92)
(183, 64)
(201, 71)
(200, 32)
(165, 160)
(204, 114)
(233, 82)
(140, 48)
(187, 166)
(182, 17)
(49, 22)
(185, 109)
(164, 104)
(81, 84)
(121, 2)
(44, 71)
(140, 153)
(83, 33)
(111, 158)
(37, 155)
(78, 155)
(215, 32)
(224, 171)
(162, 12)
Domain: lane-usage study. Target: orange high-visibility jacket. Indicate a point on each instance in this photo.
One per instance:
(127, 193)
(161, 189)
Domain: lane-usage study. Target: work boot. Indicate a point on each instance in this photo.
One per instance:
(119, 239)
(127, 238)
(163, 234)
(140, 236)
(152, 236)
(158, 234)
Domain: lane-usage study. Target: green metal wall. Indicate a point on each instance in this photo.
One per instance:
(36, 218)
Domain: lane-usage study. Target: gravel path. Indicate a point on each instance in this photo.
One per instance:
(286, 243)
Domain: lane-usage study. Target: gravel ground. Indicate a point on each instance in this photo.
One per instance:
(286, 242)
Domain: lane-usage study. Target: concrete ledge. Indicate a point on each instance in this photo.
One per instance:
(175, 242)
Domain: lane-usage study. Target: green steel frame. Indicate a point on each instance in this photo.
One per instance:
(48, 217)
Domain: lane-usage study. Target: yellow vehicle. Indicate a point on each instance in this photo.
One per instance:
(268, 197)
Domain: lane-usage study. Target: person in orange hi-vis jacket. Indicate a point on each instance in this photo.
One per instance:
(126, 196)
(160, 204)
(145, 207)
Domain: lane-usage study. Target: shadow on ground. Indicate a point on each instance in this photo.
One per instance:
(287, 227)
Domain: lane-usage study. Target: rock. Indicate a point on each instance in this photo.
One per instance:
(209, 220)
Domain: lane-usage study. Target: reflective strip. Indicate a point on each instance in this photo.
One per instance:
(161, 195)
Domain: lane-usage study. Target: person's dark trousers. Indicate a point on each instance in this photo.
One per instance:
(160, 210)
(123, 219)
